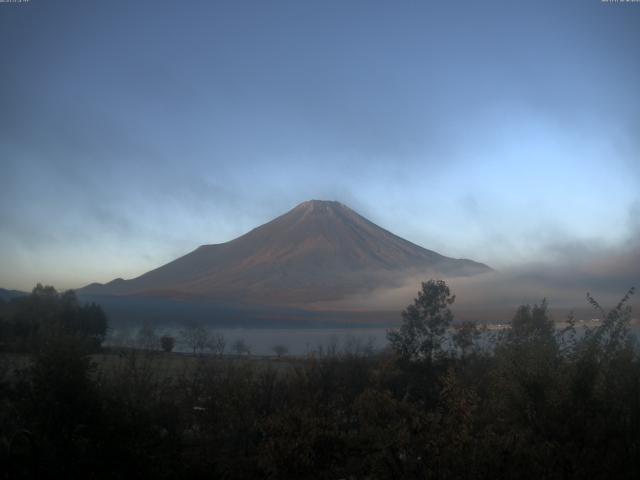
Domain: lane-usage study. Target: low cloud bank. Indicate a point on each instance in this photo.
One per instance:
(493, 297)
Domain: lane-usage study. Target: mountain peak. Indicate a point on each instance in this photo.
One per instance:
(317, 209)
(320, 206)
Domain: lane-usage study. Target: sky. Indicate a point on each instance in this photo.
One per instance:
(132, 132)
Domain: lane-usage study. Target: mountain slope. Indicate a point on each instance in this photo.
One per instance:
(317, 251)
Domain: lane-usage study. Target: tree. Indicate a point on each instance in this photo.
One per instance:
(147, 338)
(465, 336)
(280, 350)
(532, 323)
(240, 347)
(217, 344)
(95, 323)
(424, 323)
(61, 399)
(167, 343)
(45, 313)
(196, 336)
(613, 332)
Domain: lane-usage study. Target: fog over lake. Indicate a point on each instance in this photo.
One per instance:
(261, 341)
(304, 341)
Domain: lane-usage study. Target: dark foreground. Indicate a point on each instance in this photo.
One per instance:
(541, 404)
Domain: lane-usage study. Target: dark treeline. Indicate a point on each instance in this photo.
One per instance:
(541, 403)
(28, 322)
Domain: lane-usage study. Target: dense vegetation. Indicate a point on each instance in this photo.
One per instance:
(540, 403)
(29, 322)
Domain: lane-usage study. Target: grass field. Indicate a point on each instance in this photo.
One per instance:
(161, 365)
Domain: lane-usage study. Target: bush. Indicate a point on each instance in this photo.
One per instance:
(167, 343)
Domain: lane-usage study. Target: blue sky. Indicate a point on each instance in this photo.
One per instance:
(132, 132)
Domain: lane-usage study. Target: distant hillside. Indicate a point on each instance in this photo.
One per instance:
(7, 295)
(318, 251)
